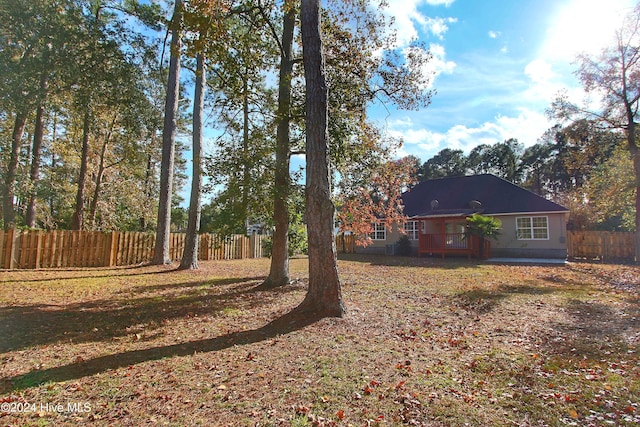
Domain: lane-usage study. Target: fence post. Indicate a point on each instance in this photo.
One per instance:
(112, 249)
(4, 239)
(39, 239)
(14, 244)
(203, 247)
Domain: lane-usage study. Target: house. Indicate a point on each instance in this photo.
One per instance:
(532, 226)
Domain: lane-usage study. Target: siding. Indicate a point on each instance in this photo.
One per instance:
(507, 244)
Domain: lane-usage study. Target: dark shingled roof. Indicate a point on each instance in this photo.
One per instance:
(459, 196)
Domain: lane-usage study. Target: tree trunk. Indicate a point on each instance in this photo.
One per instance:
(324, 296)
(77, 219)
(161, 253)
(93, 206)
(12, 170)
(279, 270)
(54, 136)
(635, 156)
(147, 187)
(38, 136)
(245, 154)
(190, 255)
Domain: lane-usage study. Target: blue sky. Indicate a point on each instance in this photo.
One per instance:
(497, 65)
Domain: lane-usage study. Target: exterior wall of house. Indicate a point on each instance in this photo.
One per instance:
(508, 244)
(380, 246)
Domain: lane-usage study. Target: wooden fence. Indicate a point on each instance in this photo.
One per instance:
(64, 249)
(346, 243)
(602, 245)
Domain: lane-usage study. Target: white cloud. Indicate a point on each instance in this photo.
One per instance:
(539, 71)
(407, 16)
(545, 84)
(405, 13)
(438, 64)
(494, 34)
(526, 127)
(437, 26)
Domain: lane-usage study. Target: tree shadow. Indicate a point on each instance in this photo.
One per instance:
(451, 262)
(283, 325)
(196, 284)
(105, 319)
(533, 289)
(121, 271)
(479, 301)
(596, 330)
(483, 301)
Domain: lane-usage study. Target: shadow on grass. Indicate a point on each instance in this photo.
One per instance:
(597, 330)
(100, 272)
(100, 320)
(484, 300)
(283, 325)
(451, 262)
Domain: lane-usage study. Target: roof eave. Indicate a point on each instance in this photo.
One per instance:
(530, 213)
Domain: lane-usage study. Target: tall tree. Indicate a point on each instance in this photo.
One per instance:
(279, 269)
(611, 194)
(36, 149)
(104, 83)
(612, 76)
(161, 253)
(77, 220)
(324, 296)
(537, 166)
(190, 254)
(35, 38)
(448, 162)
(358, 75)
(501, 159)
(581, 146)
(243, 161)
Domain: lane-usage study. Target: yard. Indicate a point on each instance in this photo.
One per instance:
(426, 342)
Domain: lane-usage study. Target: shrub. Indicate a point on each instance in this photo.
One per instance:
(404, 245)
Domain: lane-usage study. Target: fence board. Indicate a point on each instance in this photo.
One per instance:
(346, 243)
(602, 245)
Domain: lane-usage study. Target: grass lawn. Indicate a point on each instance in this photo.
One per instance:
(426, 342)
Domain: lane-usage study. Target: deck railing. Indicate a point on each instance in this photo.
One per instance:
(453, 241)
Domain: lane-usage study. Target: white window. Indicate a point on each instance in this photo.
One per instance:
(411, 229)
(379, 232)
(532, 228)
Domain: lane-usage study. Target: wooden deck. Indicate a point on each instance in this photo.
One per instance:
(451, 244)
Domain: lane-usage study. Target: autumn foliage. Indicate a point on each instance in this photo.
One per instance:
(378, 199)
